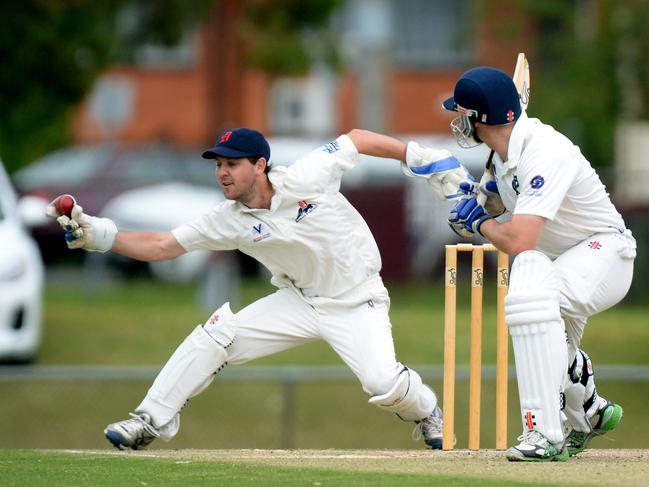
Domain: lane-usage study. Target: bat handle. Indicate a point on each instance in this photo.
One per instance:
(486, 176)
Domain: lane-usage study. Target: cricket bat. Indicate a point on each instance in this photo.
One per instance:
(521, 80)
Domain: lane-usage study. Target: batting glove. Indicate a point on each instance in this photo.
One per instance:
(489, 196)
(84, 231)
(439, 168)
(467, 216)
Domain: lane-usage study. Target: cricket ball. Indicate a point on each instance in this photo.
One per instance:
(64, 204)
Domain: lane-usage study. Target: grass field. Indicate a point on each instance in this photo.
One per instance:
(142, 322)
(315, 468)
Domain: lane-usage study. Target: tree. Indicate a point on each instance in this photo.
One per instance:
(591, 69)
(286, 36)
(53, 50)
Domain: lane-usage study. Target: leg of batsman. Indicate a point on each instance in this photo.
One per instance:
(588, 414)
(188, 372)
(540, 351)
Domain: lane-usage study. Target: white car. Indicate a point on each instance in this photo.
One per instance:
(21, 275)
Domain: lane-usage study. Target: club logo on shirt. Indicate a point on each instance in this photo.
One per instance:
(260, 232)
(331, 147)
(515, 185)
(537, 182)
(304, 209)
(595, 245)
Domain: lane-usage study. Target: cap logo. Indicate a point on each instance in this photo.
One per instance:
(510, 115)
(225, 137)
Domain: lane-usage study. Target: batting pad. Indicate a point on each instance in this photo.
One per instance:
(582, 400)
(538, 336)
(409, 398)
(189, 371)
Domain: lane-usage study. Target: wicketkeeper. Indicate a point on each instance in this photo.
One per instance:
(573, 258)
(323, 260)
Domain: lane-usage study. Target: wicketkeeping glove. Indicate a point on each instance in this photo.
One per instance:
(467, 216)
(439, 168)
(84, 231)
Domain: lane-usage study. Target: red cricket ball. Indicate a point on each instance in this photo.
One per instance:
(64, 204)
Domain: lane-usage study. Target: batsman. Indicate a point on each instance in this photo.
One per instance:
(324, 263)
(573, 258)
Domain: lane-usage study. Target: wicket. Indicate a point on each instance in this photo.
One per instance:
(475, 366)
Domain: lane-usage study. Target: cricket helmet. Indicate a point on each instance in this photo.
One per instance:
(486, 95)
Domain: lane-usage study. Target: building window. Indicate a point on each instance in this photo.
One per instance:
(432, 33)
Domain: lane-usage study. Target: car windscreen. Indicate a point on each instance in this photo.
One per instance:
(69, 167)
(156, 165)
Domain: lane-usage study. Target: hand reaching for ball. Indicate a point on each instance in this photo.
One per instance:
(61, 205)
(81, 231)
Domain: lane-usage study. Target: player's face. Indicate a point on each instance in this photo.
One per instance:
(237, 178)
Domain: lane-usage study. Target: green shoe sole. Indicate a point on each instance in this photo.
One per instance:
(610, 418)
(577, 442)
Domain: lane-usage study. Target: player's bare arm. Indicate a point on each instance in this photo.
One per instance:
(439, 168)
(96, 234)
(147, 246)
(373, 144)
(517, 235)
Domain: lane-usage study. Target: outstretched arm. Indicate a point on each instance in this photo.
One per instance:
(373, 144)
(95, 234)
(147, 246)
(439, 168)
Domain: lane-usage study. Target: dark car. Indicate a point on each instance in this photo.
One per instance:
(96, 174)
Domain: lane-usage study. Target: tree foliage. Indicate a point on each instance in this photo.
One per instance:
(590, 67)
(53, 50)
(286, 36)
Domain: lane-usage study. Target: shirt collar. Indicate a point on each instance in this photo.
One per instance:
(516, 141)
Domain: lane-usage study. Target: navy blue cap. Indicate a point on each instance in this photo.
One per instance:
(487, 95)
(239, 143)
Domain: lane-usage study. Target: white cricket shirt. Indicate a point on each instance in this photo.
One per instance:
(546, 175)
(311, 238)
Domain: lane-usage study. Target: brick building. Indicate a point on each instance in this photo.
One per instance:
(401, 59)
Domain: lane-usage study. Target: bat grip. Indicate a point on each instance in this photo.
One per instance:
(486, 176)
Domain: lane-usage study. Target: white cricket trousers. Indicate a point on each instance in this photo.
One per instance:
(593, 275)
(360, 333)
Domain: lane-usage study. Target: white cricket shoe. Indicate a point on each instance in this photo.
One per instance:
(135, 433)
(534, 447)
(431, 429)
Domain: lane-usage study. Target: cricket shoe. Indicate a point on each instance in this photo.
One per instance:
(431, 429)
(605, 419)
(535, 447)
(135, 433)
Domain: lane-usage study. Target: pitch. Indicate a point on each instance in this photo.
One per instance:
(591, 468)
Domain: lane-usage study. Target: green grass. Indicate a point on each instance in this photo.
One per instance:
(142, 323)
(51, 469)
